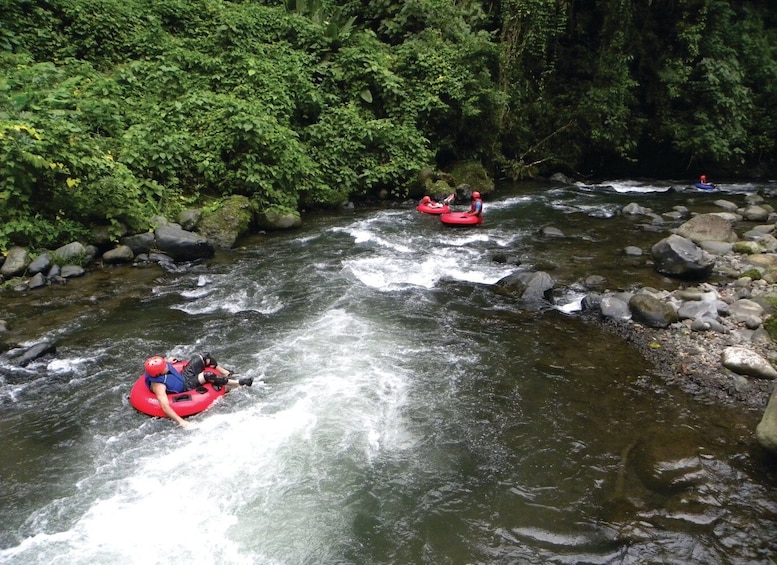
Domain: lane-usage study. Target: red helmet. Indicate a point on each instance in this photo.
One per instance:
(476, 194)
(426, 200)
(156, 365)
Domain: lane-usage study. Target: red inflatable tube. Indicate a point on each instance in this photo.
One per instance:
(436, 210)
(461, 219)
(184, 404)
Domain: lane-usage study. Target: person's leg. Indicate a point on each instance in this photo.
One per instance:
(218, 380)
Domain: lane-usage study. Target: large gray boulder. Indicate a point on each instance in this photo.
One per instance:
(16, 262)
(182, 245)
(755, 214)
(74, 252)
(707, 227)
(139, 243)
(679, 257)
(40, 264)
(744, 361)
(72, 271)
(119, 254)
(532, 286)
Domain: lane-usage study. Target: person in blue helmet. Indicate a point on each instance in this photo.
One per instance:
(162, 378)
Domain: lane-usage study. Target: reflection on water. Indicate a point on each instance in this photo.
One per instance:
(402, 411)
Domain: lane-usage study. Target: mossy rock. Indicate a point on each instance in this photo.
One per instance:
(746, 248)
(431, 182)
(770, 325)
(753, 274)
(231, 219)
(278, 218)
(473, 174)
(439, 189)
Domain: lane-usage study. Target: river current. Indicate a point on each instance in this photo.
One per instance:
(402, 412)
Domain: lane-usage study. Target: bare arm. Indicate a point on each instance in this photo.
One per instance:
(160, 390)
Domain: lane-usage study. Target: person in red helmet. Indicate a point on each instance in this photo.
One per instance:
(704, 183)
(476, 208)
(427, 201)
(162, 378)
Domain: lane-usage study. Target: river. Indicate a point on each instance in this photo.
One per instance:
(402, 411)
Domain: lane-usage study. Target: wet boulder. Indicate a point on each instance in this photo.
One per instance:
(139, 243)
(561, 178)
(25, 356)
(679, 257)
(651, 311)
(615, 308)
(72, 271)
(634, 209)
(531, 286)
(182, 245)
(550, 231)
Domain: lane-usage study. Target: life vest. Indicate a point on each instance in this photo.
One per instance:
(173, 380)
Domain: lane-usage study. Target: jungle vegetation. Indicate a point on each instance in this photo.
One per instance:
(114, 110)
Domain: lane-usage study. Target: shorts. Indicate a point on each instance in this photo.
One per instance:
(190, 382)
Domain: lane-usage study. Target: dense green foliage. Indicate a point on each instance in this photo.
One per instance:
(114, 110)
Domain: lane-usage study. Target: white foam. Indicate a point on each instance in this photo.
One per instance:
(629, 186)
(252, 297)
